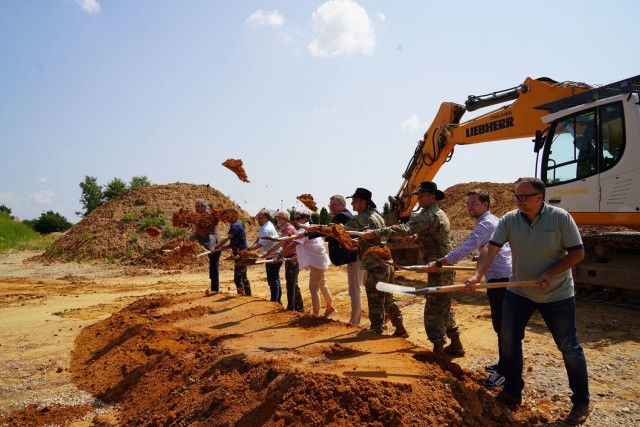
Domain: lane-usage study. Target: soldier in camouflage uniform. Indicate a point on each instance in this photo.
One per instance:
(431, 227)
(375, 269)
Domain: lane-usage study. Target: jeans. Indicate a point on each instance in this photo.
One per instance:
(273, 279)
(560, 317)
(214, 275)
(294, 297)
(496, 301)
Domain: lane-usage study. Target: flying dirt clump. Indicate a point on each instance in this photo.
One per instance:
(381, 252)
(235, 166)
(338, 232)
(201, 221)
(307, 200)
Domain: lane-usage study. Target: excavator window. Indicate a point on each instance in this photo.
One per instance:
(585, 144)
(612, 134)
(573, 151)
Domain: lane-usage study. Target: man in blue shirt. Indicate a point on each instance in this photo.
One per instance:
(238, 242)
(545, 243)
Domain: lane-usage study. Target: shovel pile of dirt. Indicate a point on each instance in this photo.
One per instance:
(229, 360)
(134, 228)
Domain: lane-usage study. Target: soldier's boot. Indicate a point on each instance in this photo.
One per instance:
(438, 348)
(455, 349)
(401, 331)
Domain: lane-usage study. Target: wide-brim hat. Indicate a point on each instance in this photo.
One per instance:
(364, 194)
(431, 187)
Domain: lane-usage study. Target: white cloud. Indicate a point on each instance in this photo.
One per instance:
(266, 19)
(40, 197)
(8, 199)
(381, 17)
(410, 124)
(341, 28)
(325, 110)
(42, 179)
(89, 6)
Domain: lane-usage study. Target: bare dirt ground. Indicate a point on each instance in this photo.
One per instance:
(89, 344)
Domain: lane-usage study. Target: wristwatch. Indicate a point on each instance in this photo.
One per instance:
(438, 263)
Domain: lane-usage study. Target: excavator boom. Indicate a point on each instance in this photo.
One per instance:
(519, 119)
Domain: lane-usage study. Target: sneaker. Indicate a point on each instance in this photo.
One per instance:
(578, 414)
(508, 399)
(491, 368)
(495, 379)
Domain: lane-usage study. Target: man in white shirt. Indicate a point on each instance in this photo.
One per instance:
(267, 229)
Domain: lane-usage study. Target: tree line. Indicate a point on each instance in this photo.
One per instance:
(93, 195)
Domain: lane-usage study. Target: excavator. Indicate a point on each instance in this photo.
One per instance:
(587, 141)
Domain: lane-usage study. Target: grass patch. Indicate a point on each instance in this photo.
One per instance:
(171, 232)
(15, 235)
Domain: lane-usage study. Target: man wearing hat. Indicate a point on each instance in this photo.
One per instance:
(431, 227)
(376, 270)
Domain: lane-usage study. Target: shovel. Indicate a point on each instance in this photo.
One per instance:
(408, 290)
(252, 261)
(421, 268)
(305, 226)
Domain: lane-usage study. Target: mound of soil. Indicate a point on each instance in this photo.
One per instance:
(119, 230)
(453, 204)
(229, 360)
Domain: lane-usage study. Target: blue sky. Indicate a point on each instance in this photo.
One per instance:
(315, 97)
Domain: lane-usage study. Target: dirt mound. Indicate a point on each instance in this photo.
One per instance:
(229, 360)
(119, 230)
(455, 196)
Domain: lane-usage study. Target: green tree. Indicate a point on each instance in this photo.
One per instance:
(386, 209)
(139, 181)
(5, 210)
(51, 221)
(114, 189)
(91, 195)
(325, 218)
(315, 218)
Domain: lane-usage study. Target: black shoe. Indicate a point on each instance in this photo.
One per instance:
(491, 368)
(401, 332)
(376, 330)
(495, 379)
(508, 399)
(578, 414)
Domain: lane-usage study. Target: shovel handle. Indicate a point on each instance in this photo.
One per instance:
(421, 268)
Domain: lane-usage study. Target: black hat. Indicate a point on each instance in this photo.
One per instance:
(364, 194)
(431, 187)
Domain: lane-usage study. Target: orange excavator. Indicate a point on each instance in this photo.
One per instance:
(588, 145)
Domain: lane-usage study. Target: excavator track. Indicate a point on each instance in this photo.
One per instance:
(610, 272)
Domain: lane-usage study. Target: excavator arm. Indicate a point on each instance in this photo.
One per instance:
(519, 119)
